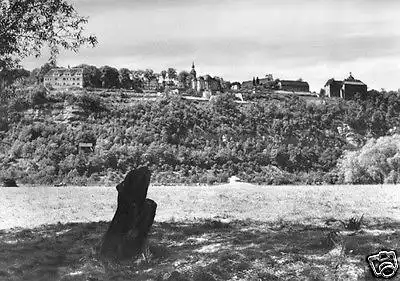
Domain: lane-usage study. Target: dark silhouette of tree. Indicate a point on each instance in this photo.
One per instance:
(183, 78)
(226, 85)
(172, 74)
(109, 77)
(125, 78)
(9, 76)
(91, 76)
(163, 74)
(149, 75)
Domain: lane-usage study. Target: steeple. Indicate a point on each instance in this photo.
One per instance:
(193, 71)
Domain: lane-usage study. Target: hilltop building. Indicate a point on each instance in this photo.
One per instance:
(204, 83)
(293, 86)
(277, 84)
(236, 86)
(346, 89)
(64, 77)
(267, 82)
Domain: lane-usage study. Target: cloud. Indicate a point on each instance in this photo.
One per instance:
(242, 38)
(299, 51)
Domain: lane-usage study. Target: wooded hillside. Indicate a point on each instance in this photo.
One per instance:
(274, 140)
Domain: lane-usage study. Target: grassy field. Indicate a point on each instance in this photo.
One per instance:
(228, 232)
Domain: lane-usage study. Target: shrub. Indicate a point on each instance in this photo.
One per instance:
(38, 96)
(91, 102)
(377, 162)
(393, 177)
(20, 101)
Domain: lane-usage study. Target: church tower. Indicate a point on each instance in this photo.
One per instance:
(193, 71)
(194, 77)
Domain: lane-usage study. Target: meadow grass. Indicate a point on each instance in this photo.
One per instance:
(33, 206)
(227, 232)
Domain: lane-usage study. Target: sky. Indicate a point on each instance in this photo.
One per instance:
(240, 39)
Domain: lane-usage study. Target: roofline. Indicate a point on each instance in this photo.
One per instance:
(354, 83)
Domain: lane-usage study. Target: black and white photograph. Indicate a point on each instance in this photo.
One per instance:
(188, 140)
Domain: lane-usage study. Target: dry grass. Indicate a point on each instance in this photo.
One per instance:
(33, 206)
(203, 250)
(256, 233)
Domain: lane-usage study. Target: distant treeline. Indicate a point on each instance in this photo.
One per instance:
(271, 141)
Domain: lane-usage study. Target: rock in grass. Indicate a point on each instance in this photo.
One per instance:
(126, 236)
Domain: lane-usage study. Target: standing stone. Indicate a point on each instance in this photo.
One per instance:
(127, 234)
(9, 182)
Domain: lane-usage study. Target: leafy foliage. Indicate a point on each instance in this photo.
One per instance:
(275, 140)
(377, 162)
(26, 25)
(91, 76)
(124, 78)
(109, 77)
(9, 76)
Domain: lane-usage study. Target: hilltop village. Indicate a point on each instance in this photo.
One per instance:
(82, 125)
(190, 84)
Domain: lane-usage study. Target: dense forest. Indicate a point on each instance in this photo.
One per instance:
(274, 139)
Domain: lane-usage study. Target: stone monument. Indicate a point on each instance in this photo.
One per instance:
(126, 236)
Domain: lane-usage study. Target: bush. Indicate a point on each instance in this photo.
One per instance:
(377, 162)
(19, 101)
(393, 177)
(39, 96)
(91, 102)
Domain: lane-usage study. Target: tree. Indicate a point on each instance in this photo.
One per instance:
(109, 77)
(137, 84)
(9, 76)
(164, 75)
(149, 75)
(91, 76)
(183, 78)
(138, 77)
(27, 25)
(37, 75)
(172, 74)
(125, 78)
(376, 162)
(223, 85)
(226, 85)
